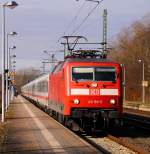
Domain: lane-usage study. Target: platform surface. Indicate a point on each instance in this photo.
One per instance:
(137, 105)
(30, 130)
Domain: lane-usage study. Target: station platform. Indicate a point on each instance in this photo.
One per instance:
(30, 130)
(137, 105)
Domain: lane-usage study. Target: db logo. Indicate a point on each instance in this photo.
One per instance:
(94, 92)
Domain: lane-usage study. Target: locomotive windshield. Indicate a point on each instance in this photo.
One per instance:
(94, 74)
(82, 73)
(105, 74)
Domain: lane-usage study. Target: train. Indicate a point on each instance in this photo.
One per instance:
(81, 93)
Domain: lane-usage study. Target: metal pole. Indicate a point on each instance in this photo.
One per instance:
(43, 67)
(10, 65)
(3, 64)
(105, 30)
(143, 88)
(9, 68)
(124, 80)
(53, 64)
(7, 89)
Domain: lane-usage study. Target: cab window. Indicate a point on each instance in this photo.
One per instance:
(94, 74)
(82, 74)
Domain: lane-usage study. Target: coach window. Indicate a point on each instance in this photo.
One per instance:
(44, 86)
(33, 87)
(39, 86)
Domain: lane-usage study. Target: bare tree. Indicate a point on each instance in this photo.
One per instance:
(132, 44)
(24, 76)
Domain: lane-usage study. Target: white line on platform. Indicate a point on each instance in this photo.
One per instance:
(46, 134)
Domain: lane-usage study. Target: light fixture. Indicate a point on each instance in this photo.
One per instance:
(76, 101)
(11, 4)
(113, 101)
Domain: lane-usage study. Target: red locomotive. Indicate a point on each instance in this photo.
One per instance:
(80, 92)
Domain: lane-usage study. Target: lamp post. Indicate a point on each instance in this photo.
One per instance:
(143, 79)
(9, 55)
(10, 68)
(124, 81)
(11, 5)
(7, 67)
(124, 78)
(13, 65)
(9, 77)
(8, 49)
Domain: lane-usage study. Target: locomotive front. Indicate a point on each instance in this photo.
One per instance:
(94, 93)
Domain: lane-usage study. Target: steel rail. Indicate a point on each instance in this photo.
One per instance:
(127, 145)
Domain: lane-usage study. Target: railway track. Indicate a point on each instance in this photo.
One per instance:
(110, 143)
(115, 144)
(137, 121)
(136, 132)
(127, 145)
(137, 112)
(140, 119)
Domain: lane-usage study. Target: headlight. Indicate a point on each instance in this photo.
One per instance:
(76, 101)
(113, 101)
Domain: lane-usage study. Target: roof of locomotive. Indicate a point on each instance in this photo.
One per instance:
(61, 64)
(89, 60)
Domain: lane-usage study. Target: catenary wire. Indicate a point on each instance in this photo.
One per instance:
(84, 20)
(74, 19)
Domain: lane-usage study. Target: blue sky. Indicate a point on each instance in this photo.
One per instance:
(40, 23)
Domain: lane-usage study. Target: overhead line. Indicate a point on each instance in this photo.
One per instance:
(76, 16)
(70, 24)
(80, 9)
(78, 27)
